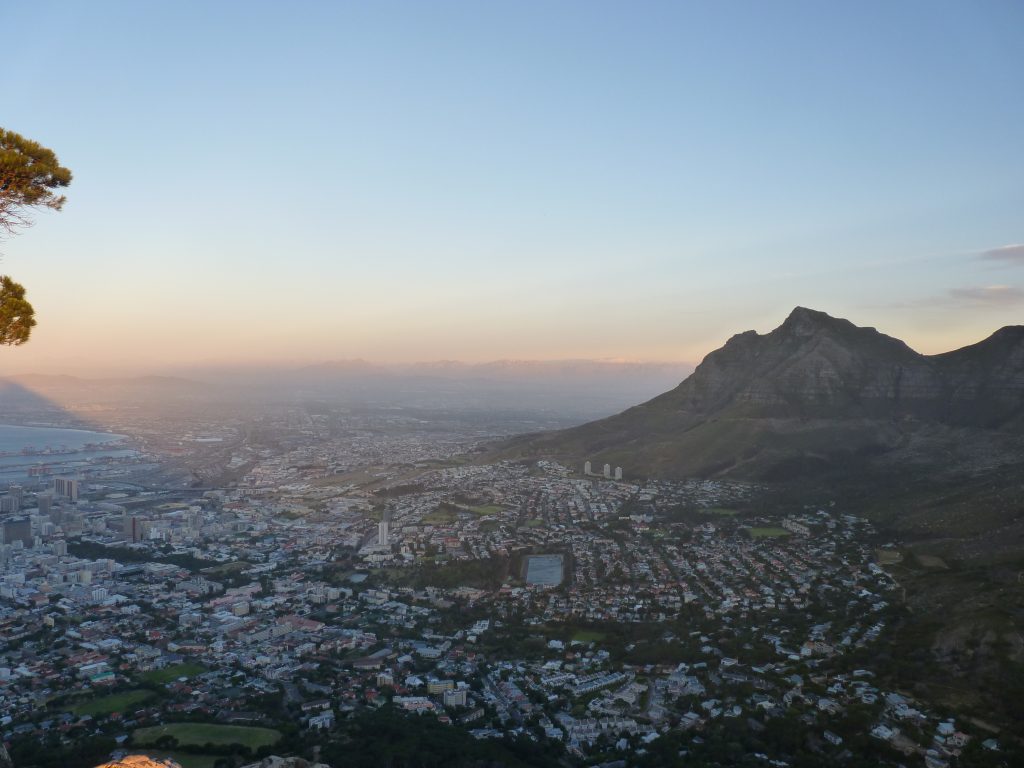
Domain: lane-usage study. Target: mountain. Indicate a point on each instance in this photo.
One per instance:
(816, 397)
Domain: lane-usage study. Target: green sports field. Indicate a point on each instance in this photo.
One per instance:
(767, 533)
(123, 702)
(173, 672)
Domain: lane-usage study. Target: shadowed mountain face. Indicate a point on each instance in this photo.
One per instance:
(815, 396)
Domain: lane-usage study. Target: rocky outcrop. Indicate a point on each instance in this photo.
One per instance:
(140, 761)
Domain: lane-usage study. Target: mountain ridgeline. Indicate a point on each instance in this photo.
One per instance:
(816, 396)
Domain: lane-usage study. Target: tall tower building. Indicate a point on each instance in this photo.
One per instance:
(384, 530)
(67, 487)
(132, 528)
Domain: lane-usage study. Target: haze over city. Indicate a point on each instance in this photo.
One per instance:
(401, 181)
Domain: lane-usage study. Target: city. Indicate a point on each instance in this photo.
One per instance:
(357, 565)
(520, 384)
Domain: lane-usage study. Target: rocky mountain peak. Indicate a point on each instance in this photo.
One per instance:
(804, 322)
(817, 389)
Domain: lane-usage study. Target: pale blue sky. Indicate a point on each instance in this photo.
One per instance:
(422, 180)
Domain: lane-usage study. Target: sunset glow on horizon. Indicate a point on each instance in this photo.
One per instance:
(403, 182)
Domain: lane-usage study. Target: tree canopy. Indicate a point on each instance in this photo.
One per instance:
(30, 174)
(17, 317)
(30, 179)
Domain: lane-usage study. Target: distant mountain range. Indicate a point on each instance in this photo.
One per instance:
(499, 369)
(817, 396)
(575, 389)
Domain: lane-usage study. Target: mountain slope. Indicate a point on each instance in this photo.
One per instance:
(815, 396)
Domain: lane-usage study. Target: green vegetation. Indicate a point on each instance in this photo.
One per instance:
(767, 533)
(200, 734)
(167, 674)
(389, 738)
(481, 574)
(123, 702)
(53, 752)
(485, 509)
(17, 317)
(588, 636)
(443, 515)
(722, 511)
(447, 512)
(93, 551)
(226, 569)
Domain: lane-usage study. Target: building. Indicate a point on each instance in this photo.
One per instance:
(439, 686)
(12, 501)
(384, 530)
(18, 529)
(132, 528)
(455, 698)
(68, 487)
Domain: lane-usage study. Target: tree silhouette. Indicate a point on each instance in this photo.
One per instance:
(30, 178)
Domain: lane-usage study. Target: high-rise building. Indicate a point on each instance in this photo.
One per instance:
(132, 528)
(18, 529)
(12, 501)
(384, 530)
(608, 471)
(68, 487)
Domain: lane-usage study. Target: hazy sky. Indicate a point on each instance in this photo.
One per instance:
(304, 181)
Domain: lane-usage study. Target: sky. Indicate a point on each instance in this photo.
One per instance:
(294, 182)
